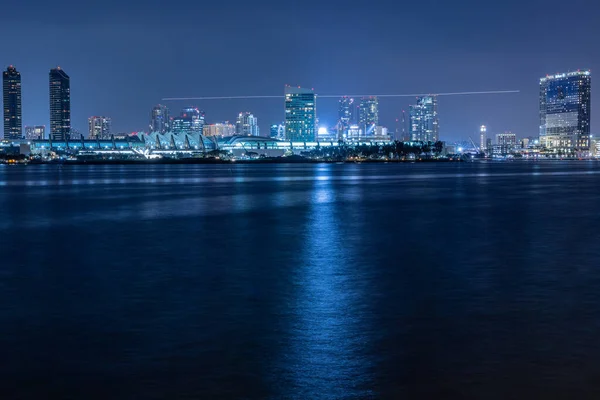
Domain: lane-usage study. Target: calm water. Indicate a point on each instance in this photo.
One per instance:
(300, 282)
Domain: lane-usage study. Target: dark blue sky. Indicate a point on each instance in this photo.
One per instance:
(124, 57)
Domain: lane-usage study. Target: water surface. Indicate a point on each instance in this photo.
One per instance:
(300, 281)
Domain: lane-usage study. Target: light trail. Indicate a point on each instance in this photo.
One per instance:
(343, 95)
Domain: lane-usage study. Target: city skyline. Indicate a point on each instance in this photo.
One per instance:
(364, 111)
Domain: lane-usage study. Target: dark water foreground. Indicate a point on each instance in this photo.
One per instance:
(300, 281)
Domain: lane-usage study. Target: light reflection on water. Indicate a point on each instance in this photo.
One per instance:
(318, 281)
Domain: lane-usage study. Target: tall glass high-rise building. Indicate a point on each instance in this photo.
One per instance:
(246, 124)
(60, 104)
(565, 111)
(159, 119)
(345, 113)
(11, 89)
(424, 123)
(300, 114)
(482, 135)
(369, 114)
(190, 121)
(99, 127)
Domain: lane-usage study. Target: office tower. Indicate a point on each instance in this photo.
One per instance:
(381, 132)
(159, 119)
(35, 132)
(424, 123)
(488, 145)
(246, 124)
(506, 142)
(219, 129)
(60, 104)
(345, 113)
(190, 121)
(369, 114)
(11, 89)
(482, 133)
(506, 139)
(277, 131)
(300, 114)
(99, 127)
(565, 111)
(406, 137)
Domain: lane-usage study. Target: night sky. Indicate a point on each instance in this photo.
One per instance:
(124, 57)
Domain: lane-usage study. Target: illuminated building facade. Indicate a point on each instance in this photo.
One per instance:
(246, 124)
(60, 104)
(346, 113)
(159, 119)
(37, 132)
(300, 114)
(278, 131)
(506, 143)
(99, 127)
(368, 114)
(11, 90)
(424, 123)
(191, 120)
(565, 111)
(482, 135)
(219, 130)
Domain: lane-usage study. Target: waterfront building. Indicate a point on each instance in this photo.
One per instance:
(278, 131)
(60, 104)
(482, 135)
(506, 143)
(159, 119)
(381, 133)
(488, 145)
(300, 114)
(369, 114)
(246, 124)
(190, 121)
(11, 90)
(424, 123)
(565, 111)
(219, 130)
(36, 132)
(99, 127)
(354, 133)
(345, 113)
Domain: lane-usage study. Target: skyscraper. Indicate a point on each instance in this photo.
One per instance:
(278, 131)
(300, 114)
(345, 113)
(159, 119)
(11, 89)
(246, 124)
(60, 104)
(565, 111)
(35, 132)
(369, 114)
(506, 143)
(99, 127)
(424, 124)
(482, 133)
(190, 121)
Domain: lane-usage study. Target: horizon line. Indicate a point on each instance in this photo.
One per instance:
(340, 96)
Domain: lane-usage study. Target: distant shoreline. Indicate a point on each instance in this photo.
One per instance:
(213, 161)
